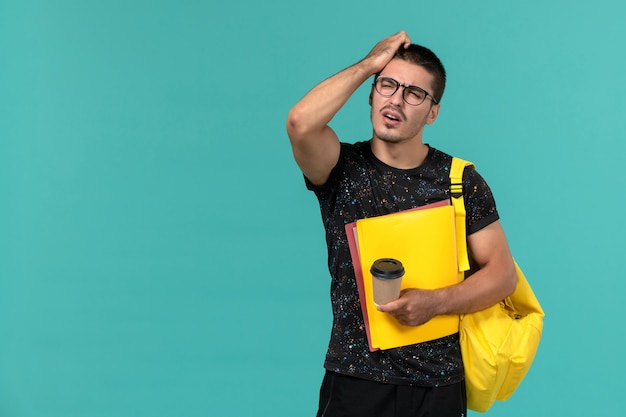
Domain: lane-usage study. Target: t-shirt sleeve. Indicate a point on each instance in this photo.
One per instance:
(480, 205)
(327, 188)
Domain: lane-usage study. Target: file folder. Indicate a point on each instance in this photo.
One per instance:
(424, 240)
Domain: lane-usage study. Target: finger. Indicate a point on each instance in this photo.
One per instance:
(391, 306)
(405, 39)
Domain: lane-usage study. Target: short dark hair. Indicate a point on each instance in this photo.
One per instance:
(425, 58)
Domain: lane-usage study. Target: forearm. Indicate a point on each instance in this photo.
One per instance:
(494, 280)
(482, 289)
(317, 108)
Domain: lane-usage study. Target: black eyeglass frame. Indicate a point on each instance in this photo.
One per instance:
(404, 88)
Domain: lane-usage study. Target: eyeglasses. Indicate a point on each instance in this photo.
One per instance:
(411, 94)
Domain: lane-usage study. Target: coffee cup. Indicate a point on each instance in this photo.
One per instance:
(387, 276)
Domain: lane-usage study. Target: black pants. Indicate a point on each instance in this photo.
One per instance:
(346, 396)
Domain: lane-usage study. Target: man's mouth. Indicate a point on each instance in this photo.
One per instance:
(392, 115)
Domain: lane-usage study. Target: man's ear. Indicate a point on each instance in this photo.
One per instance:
(432, 114)
(370, 100)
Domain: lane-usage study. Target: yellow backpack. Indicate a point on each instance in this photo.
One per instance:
(499, 343)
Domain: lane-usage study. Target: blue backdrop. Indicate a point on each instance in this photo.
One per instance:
(159, 254)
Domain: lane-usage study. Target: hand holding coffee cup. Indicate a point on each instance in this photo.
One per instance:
(387, 276)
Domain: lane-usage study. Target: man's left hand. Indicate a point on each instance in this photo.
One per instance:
(414, 307)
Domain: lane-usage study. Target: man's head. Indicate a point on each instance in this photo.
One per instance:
(405, 95)
(424, 57)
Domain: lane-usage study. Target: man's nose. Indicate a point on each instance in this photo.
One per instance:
(397, 97)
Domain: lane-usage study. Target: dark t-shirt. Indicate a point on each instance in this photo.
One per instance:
(362, 186)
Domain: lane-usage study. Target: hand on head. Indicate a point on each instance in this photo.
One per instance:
(384, 50)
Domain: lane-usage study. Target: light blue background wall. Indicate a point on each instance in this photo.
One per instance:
(159, 255)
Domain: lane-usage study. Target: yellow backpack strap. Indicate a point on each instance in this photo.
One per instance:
(456, 192)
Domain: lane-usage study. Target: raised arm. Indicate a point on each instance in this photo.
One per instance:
(315, 145)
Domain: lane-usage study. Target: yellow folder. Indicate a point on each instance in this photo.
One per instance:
(424, 240)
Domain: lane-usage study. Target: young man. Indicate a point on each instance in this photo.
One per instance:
(393, 171)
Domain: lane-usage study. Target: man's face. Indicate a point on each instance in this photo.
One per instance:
(395, 121)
